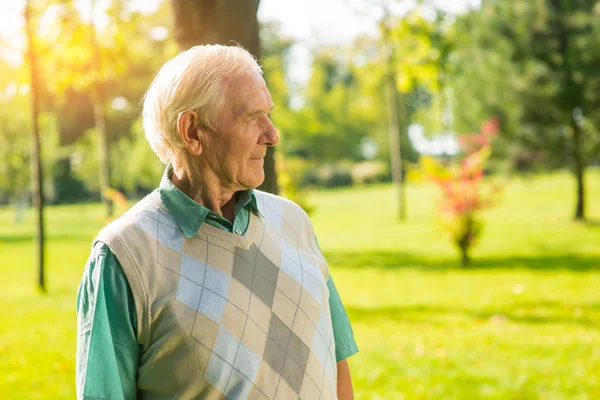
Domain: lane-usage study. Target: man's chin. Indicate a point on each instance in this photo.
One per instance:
(254, 182)
(260, 182)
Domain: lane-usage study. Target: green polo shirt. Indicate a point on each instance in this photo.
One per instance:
(106, 317)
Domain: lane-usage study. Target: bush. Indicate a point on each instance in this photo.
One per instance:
(371, 172)
(463, 197)
(66, 188)
(330, 176)
(336, 176)
(310, 178)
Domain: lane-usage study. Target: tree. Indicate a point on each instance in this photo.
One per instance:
(486, 82)
(554, 48)
(136, 43)
(417, 62)
(36, 158)
(397, 122)
(100, 115)
(15, 150)
(223, 22)
(332, 121)
(564, 44)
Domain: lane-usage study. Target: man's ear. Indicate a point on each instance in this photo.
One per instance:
(188, 127)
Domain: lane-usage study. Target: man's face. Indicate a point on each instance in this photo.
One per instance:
(237, 149)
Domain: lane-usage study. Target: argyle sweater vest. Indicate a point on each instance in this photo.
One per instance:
(226, 316)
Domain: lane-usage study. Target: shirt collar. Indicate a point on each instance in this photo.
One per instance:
(188, 214)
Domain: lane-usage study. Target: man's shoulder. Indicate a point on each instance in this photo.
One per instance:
(272, 203)
(147, 211)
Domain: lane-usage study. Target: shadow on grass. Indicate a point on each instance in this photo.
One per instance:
(592, 223)
(398, 260)
(439, 316)
(16, 238)
(28, 238)
(560, 305)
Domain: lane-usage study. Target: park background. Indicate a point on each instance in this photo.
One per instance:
(415, 133)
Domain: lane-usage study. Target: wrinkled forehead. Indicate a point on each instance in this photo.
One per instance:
(246, 92)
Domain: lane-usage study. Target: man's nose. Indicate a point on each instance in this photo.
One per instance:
(271, 137)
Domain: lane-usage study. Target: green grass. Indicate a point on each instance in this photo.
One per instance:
(521, 323)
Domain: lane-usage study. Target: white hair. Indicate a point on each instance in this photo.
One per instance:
(193, 80)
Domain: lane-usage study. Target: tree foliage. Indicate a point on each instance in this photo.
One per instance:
(533, 63)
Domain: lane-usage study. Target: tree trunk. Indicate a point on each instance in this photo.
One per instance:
(37, 188)
(396, 121)
(465, 260)
(564, 41)
(578, 169)
(395, 124)
(100, 118)
(103, 152)
(227, 22)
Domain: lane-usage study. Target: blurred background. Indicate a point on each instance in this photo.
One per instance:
(448, 153)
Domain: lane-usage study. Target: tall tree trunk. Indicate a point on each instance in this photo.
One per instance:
(395, 127)
(100, 117)
(37, 188)
(396, 120)
(564, 41)
(578, 168)
(226, 22)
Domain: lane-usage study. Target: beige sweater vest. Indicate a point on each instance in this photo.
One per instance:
(225, 316)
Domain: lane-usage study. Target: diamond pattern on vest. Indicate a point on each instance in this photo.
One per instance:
(262, 312)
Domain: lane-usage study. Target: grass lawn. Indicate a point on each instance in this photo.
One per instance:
(521, 323)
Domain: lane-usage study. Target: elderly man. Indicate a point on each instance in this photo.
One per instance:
(207, 288)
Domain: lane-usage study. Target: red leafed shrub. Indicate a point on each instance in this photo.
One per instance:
(463, 193)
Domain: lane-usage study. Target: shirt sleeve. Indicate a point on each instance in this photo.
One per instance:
(345, 345)
(107, 348)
